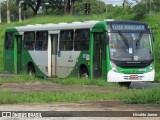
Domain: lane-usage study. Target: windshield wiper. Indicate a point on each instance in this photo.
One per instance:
(124, 39)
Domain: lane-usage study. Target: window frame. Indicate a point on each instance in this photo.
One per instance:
(41, 40)
(87, 41)
(12, 41)
(72, 40)
(29, 40)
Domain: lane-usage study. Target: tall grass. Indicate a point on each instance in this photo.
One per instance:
(19, 78)
(147, 96)
(10, 97)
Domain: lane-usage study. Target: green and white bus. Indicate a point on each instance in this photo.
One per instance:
(117, 51)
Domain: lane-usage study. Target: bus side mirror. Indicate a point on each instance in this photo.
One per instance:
(107, 39)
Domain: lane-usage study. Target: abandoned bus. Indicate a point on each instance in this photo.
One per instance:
(118, 51)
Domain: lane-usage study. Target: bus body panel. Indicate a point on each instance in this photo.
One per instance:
(69, 63)
(8, 61)
(98, 47)
(40, 59)
(82, 60)
(121, 77)
(26, 59)
(66, 62)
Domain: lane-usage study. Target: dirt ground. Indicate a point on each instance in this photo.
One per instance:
(52, 87)
(72, 106)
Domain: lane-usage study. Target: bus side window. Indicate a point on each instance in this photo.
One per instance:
(81, 41)
(41, 40)
(66, 40)
(9, 41)
(29, 40)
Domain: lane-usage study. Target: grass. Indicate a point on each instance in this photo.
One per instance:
(19, 78)
(10, 97)
(146, 96)
(76, 81)
(24, 78)
(133, 96)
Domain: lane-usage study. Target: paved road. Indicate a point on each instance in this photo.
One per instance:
(142, 85)
(82, 106)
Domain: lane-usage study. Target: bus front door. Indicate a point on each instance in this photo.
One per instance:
(19, 53)
(97, 55)
(54, 44)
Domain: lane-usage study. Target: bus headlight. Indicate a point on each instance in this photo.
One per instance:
(151, 67)
(113, 67)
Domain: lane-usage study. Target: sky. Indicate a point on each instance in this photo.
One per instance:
(116, 2)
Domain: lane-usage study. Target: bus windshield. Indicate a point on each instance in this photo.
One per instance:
(130, 46)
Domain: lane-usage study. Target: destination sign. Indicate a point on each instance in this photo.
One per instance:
(128, 27)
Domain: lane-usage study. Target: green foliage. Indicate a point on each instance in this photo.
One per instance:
(140, 11)
(154, 23)
(14, 16)
(97, 7)
(152, 6)
(147, 96)
(155, 6)
(121, 13)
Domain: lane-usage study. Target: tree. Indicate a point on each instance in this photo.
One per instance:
(69, 7)
(33, 4)
(96, 7)
(151, 5)
(140, 11)
(72, 7)
(8, 12)
(51, 7)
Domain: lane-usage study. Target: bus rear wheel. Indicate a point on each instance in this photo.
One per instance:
(31, 70)
(83, 72)
(124, 84)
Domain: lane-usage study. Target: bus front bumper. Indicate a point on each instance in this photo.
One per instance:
(120, 77)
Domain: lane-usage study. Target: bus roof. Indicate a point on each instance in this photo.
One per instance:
(59, 26)
(73, 25)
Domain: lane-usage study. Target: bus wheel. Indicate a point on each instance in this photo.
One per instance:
(83, 73)
(124, 84)
(31, 70)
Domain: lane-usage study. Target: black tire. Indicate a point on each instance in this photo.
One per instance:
(83, 73)
(31, 70)
(124, 84)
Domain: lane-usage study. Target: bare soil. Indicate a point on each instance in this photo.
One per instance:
(53, 87)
